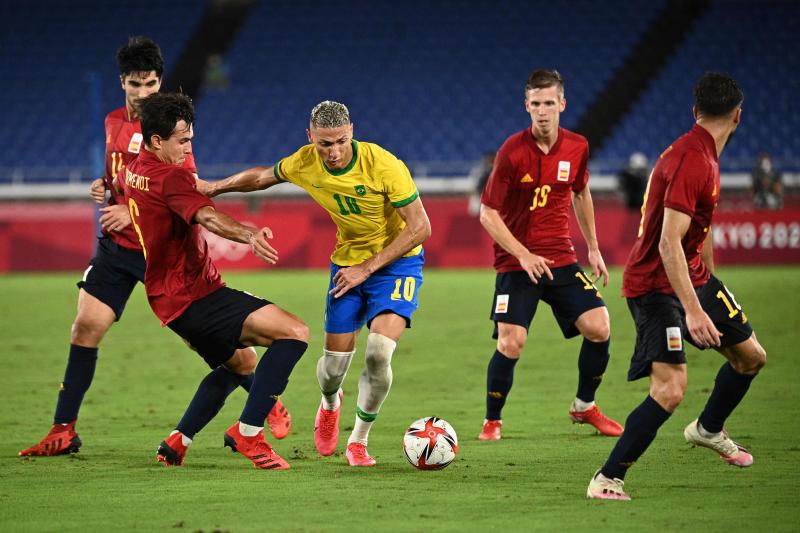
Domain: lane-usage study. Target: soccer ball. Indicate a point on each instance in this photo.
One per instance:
(430, 443)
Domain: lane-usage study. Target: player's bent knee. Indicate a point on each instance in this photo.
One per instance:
(669, 397)
(294, 329)
(300, 331)
(379, 351)
(249, 358)
(762, 360)
(511, 345)
(749, 358)
(243, 361)
(594, 325)
(87, 333)
(754, 362)
(668, 390)
(760, 357)
(598, 333)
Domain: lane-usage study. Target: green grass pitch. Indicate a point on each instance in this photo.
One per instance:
(533, 480)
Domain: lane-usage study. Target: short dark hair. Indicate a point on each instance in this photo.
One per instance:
(717, 94)
(543, 78)
(160, 113)
(141, 54)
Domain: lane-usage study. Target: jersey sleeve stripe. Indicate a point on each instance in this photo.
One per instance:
(277, 171)
(407, 201)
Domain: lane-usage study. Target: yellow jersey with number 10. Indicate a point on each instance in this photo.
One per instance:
(362, 198)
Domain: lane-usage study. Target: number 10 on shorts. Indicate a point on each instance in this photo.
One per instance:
(408, 285)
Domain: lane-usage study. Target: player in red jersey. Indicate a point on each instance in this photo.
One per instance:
(673, 295)
(186, 292)
(118, 264)
(537, 173)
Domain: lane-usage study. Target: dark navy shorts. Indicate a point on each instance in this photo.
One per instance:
(112, 274)
(213, 324)
(570, 294)
(661, 325)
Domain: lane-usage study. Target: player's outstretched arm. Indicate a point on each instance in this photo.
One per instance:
(584, 212)
(252, 179)
(418, 228)
(675, 226)
(228, 228)
(534, 265)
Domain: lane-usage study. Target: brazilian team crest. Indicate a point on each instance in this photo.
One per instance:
(360, 190)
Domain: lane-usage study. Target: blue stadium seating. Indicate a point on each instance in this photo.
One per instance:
(430, 81)
(47, 51)
(755, 42)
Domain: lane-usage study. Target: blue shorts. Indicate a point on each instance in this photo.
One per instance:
(392, 289)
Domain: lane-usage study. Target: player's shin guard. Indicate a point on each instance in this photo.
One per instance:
(729, 389)
(641, 428)
(331, 370)
(271, 378)
(499, 378)
(208, 400)
(77, 380)
(373, 385)
(592, 363)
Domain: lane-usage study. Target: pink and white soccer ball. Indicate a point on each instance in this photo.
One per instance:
(430, 443)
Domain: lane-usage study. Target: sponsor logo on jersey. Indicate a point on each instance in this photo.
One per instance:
(501, 305)
(526, 179)
(563, 171)
(136, 143)
(360, 190)
(674, 343)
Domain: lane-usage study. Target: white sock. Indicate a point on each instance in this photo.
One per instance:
(704, 432)
(331, 402)
(186, 441)
(360, 431)
(373, 385)
(331, 370)
(581, 406)
(249, 431)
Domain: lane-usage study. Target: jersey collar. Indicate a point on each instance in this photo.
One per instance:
(349, 166)
(538, 150)
(707, 140)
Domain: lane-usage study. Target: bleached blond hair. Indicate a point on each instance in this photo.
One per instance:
(329, 114)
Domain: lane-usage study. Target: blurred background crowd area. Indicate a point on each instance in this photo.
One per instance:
(440, 83)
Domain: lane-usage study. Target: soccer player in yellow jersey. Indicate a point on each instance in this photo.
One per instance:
(376, 267)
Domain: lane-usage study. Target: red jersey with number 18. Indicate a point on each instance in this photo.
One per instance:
(685, 178)
(163, 200)
(123, 142)
(532, 191)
